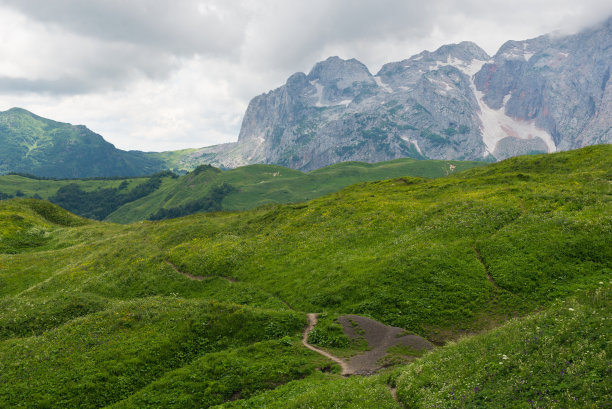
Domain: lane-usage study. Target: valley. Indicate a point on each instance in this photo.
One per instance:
(166, 195)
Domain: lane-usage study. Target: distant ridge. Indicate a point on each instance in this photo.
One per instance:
(43, 147)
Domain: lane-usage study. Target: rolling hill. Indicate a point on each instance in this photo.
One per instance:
(210, 309)
(258, 185)
(165, 194)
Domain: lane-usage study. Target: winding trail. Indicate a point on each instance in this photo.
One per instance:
(380, 338)
(312, 321)
(197, 278)
(393, 392)
(228, 279)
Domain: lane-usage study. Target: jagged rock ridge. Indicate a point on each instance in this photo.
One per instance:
(541, 95)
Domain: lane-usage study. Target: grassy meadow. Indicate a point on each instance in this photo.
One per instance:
(95, 314)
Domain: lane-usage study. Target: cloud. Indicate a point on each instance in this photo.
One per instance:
(50, 59)
(309, 27)
(173, 26)
(169, 74)
(62, 86)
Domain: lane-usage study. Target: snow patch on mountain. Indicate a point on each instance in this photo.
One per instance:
(495, 124)
(413, 142)
(320, 100)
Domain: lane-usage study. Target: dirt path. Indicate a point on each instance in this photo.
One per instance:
(312, 321)
(393, 392)
(380, 338)
(197, 278)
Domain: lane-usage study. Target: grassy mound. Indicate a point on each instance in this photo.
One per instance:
(104, 357)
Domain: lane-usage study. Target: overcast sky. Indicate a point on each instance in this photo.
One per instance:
(170, 74)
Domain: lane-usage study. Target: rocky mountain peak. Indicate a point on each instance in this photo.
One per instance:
(521, 50)
(296, 83)
(459, 55)
(339, 72)
(550, 93)
(465, 51)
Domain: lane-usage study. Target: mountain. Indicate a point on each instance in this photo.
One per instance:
(561, 85)
(542, 95)
(211, 309)
(546, 94)
(31, 144)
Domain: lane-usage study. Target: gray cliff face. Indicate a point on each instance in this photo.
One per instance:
(540, 95)
(561, 84)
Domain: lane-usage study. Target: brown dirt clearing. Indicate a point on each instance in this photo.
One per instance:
(380, 338)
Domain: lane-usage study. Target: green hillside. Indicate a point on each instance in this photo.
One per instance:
(16, 185)
(559, 358)
(91, 198)
(43, 147)
(257, 185)
(99, 314)
(210, 189)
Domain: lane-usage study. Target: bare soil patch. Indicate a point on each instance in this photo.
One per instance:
(380, 338)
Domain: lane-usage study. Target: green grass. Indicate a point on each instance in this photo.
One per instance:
(11, 184)
(106, 356)
(176, 161)
(92, 314)
(259, 185)
(323, 391)
(25, 224)
(405, 251)
(254, 185)
(24, 317)
(400, 354)
(228, 375)
(559, 358)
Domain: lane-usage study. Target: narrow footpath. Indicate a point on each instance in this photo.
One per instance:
(393, 392)
(198, 278)
(347, 369)
(312, 321)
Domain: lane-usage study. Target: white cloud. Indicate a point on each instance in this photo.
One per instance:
(170, 74)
